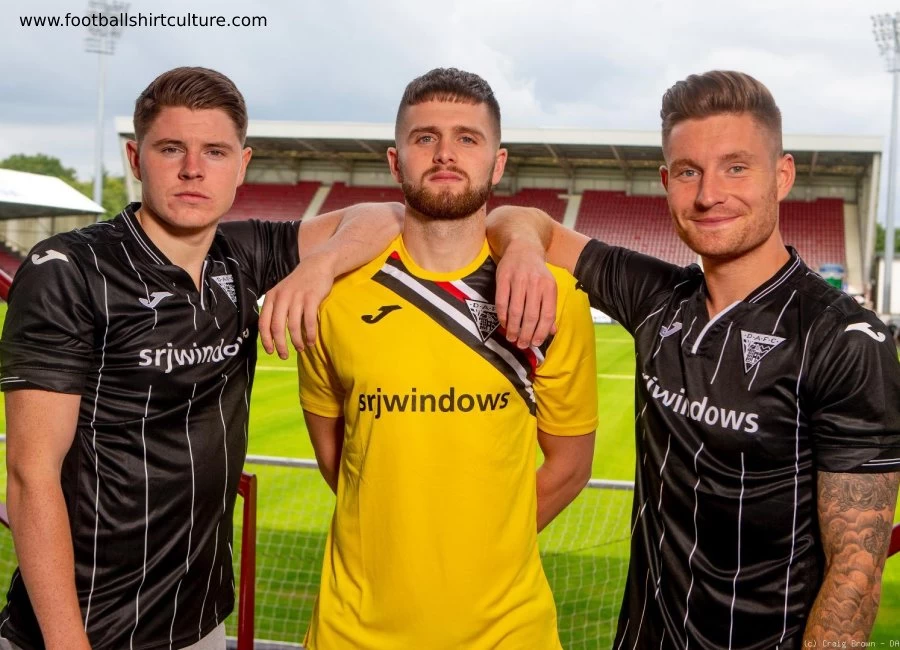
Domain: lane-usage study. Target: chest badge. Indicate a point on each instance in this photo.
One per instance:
(485, 315)
(756, 346)
(226, 283)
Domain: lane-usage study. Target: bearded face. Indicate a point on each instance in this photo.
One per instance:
(448, 203)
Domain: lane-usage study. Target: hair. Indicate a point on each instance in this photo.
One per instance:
(717, 92)
(450, 85)
(193, 88)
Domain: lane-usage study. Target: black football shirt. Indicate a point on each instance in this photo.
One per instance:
(164, 372)
(735, 415)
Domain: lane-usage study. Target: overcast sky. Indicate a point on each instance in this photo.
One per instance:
(581, 63)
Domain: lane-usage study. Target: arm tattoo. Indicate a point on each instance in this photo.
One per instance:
(856, 512)
(857, 491)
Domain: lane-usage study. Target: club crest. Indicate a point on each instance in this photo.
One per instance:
(756, 347)
(485, 315)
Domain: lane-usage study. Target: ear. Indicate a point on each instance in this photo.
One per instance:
(246, 154)
(664, 176)
(499, 165)
(132, 150)
(393, 157)
(785, 175)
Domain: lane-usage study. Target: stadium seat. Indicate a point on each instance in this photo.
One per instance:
(343, 195)
(641, 223)
(271, 202)
(9, 260)
(816, 230)
(547, 200)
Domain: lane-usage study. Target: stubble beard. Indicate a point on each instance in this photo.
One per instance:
(445, 205)
(734, 244)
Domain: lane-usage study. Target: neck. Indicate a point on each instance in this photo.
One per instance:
(443, 246)
(729, 281)
(184, 247)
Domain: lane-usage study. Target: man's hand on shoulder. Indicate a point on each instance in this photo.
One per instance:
(526, 294)
(294, 303)
(329, 245)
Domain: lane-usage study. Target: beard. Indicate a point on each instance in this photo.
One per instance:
(753, 231)
(445, 205)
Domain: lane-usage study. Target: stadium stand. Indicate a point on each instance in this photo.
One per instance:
(640, 223)
(547, 200)
(816, 230)
(9, 259)
(342, 195)
(272, 202)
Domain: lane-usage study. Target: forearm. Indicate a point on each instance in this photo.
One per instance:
(327, 437)
(845, 607)
(43, 542)
(856, 512)
(363, 233)
(329, 471)
(525, 228)
(556, 489)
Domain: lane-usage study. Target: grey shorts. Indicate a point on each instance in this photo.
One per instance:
(215, 640)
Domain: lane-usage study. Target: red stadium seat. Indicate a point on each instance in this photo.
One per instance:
(816, 230)
(547, 200)
(343, 195)
(642, 223)
(271, 202)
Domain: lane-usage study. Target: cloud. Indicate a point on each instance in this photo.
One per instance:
(574, 63)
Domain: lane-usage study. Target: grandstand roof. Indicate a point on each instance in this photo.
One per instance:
(627, 151)
(24, 195)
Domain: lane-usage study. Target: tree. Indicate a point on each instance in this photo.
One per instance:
(879, 239)
(114, 194)
(39, 164)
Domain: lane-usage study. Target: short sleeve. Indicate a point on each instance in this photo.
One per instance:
(48, 333)
(266, 249)
(320, 391)
(565, 384)
(620, 282)
(853, 393)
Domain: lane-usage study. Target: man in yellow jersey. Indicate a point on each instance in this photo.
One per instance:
(424, 418)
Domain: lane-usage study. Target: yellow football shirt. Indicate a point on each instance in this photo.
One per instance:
(433, 543)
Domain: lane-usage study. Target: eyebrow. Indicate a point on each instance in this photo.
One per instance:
(163, 142)
(682, 162)
(728, 157)
(738, 155)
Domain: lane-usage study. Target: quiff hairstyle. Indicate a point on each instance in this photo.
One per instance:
(449, 85)
(193, 88)
(718, 92)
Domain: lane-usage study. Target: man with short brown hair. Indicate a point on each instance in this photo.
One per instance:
(425, 420)
(127, 359)
(767, 402)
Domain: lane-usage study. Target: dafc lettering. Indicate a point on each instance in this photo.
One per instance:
(415, 402)
(171, 357)
(702, 411)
